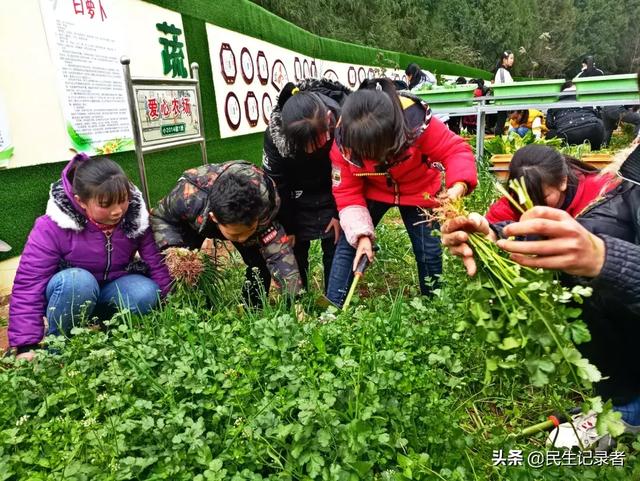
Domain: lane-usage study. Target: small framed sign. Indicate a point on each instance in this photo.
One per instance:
(232, 111)
(330, 75)
(306, 69)
(297, 69)
(263, 68)
(362, 75)
(279, 76)
(166, 113)
(246, 62)
(251, 109)
(228, 63)
(267, 106)
(352, 77)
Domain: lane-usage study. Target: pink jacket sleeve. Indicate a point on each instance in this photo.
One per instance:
(348, 190)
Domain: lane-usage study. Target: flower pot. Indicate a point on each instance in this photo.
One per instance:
(500, 167)
(528, 88)
(599, 161)
(444, 98)
(621, 87)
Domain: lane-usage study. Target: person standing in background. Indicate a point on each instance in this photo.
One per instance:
(589, 68)
(503, 76)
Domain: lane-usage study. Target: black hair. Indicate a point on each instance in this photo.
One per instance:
(461, 81)
(503, 56)
(102, 179)
(524, 115)
(543, 166)
(567, 85)
(373, 124)
(400, 85)
(413, 69)
(480, 83)
(589, 61)
(304, 119)
(235, 199)
(286, 93)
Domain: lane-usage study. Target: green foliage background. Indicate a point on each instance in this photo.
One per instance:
(474, 32)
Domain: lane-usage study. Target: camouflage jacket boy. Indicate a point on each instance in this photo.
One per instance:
(181, 219)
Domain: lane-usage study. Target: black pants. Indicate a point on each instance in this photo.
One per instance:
(593, 132)
(611, 115)
(258, 277)
(501, 119)
(301, 252)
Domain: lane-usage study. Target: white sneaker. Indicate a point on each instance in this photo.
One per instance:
(579, 432)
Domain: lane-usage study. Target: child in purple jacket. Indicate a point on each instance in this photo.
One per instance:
(78, 255)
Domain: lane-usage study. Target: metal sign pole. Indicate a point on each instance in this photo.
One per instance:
(137, 139)
(203, 144)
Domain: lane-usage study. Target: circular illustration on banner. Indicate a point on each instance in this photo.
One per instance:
(279, 75)
(228, 63)
(251, 109)
(330, 75)
(362, 75)
(297, 69)
(371, 73)
(232, 111)
(267, 106)
(306, 70)
(246, 62)
(263, 68)
(313, 69)
(352, 77)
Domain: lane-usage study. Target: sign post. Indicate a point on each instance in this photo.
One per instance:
(165, 113)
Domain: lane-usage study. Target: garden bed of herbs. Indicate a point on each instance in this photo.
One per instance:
(398, 388)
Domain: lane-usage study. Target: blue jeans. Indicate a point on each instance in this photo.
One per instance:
(72, 293)
(630, 412)
(521, 131)
(426, 248)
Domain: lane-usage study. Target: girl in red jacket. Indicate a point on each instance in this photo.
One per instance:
(389, 151)
(552, 180)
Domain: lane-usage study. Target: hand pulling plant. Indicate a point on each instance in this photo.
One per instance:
(525, 314)
(194, 272)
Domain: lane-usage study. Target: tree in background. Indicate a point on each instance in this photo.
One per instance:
(549, 37)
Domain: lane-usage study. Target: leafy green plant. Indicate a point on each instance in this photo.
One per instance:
(196, 276)
(509, 144)
(524, 315)
(392, 390)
